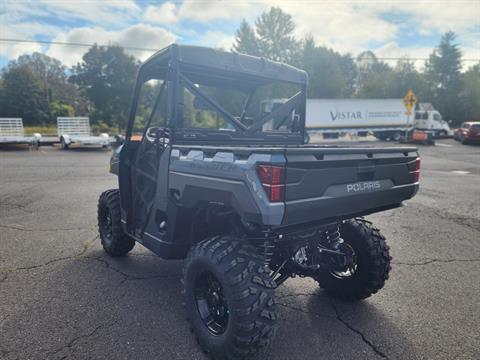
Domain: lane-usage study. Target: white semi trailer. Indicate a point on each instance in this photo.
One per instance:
(385, 118)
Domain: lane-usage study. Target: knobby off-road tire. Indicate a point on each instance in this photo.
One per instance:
(114, 241)
(372, 263)
(246, 289)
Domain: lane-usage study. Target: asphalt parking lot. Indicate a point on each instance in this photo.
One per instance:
(61, 297)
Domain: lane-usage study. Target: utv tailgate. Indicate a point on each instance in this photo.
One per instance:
(338, 183)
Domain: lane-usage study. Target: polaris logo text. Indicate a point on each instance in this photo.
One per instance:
(364, 186)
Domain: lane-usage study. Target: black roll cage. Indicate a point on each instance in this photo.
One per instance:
(176, 80)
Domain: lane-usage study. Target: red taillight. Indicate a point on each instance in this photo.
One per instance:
(416, 173)
(273, 181)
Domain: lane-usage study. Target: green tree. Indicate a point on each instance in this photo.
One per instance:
(58, 108)
(23, 95)
(443, 71)
(52, 74)
(471, 93)
(275, 36)
(330, 74)
(272, 37)
(405, 77)
(374, 77)
(245, 40)
(107, 76)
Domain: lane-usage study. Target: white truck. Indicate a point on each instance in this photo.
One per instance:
(76, 130)
(429, 119)
(385, 118)
(12, 132)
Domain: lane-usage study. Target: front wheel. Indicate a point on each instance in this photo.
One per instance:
(229, 298)
(114, 240)
(370, 268)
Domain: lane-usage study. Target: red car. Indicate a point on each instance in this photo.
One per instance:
(468, 132)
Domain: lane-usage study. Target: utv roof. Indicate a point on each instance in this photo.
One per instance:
(201, 64)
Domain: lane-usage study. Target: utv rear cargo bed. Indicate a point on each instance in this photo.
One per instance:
(338, 183)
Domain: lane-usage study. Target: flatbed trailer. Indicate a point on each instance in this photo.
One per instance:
(76, 130)
(13, 133)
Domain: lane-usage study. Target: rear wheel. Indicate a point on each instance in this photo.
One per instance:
(114, 241)
(371, 266)
(229, 298)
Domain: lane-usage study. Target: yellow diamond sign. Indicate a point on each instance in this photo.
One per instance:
(409, 100)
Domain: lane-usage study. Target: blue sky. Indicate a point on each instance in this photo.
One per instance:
(389, 28)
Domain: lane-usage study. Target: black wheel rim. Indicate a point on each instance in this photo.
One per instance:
(106, 227)
(211, 303)
(350, 268)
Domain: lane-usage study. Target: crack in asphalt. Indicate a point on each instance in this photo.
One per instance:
(337, 317)
(288, 306)
(128, 276)
(20, 228)
(73, 341)
(5, 276)
(458, 219)
(279, 297)
(362, 335)
(431, 261)
(81, 255)
(86, 245)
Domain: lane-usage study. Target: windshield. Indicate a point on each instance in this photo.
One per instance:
(269, 107)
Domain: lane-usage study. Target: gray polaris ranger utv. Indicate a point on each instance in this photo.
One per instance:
(209, 174)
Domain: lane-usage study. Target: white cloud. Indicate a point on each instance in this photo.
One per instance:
(138, 36)
(14, 50)
(97, 12)
(393, 50)
(166, 13)
(217, 39)
(340, 25)
(205, 11)
(346, 26)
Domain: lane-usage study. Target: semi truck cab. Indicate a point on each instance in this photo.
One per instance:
(427, 118)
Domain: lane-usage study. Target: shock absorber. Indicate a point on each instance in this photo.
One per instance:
(332, 233)
(267, 247)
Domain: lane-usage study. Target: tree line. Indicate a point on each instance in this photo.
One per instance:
(39, 88)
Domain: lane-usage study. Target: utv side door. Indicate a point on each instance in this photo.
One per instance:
(145, 146)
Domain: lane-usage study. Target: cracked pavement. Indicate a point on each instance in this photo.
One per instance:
(63, 298)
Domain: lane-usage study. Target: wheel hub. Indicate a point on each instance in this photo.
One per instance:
(211, 303)
(107, 230)
(350, 266)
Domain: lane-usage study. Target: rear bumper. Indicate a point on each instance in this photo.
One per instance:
(328, 209)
